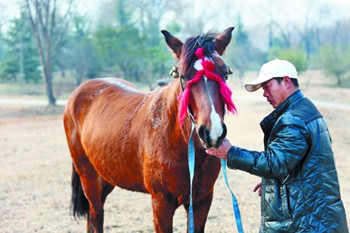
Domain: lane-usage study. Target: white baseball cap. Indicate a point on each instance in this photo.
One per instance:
(272, 69)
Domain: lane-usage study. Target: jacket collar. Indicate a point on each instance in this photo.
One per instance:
(269, 121)
(288, 102)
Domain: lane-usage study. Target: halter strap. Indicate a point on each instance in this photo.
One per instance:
(233, 198)
(191, 164)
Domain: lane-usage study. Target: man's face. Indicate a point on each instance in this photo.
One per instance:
(274, 92)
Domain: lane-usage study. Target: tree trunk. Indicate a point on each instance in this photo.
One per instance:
(48, 35)
(339, 80)
(49, 90)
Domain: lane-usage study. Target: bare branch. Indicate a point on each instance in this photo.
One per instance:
(63, 30)
(48, 33)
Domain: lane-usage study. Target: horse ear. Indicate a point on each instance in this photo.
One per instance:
(222, 40)
(174, 44)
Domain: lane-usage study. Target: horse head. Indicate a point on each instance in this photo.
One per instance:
(203, 75)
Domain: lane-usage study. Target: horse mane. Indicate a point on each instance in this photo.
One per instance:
(164, 81)
(206, 41)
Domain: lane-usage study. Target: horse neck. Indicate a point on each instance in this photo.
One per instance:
(180, 134)
(172, 91)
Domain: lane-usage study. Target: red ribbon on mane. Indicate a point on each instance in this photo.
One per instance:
(208, 71)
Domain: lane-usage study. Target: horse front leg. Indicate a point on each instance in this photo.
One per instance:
(163, 213)
(200, 213)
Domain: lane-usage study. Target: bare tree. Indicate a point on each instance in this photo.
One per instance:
(48, 30)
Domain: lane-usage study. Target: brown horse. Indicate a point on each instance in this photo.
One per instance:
(118, 136)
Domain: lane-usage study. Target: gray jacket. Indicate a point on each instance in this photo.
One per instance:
(300, 189)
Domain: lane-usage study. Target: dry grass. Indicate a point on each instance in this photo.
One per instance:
(35, 176)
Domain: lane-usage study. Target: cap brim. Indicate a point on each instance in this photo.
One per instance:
(256, 84)
(252, 87)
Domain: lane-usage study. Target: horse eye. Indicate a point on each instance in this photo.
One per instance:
(226, 76)
(228, 72)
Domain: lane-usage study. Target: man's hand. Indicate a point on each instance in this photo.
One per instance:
(221, 152)
(258, 187)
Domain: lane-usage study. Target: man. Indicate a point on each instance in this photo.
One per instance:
(299, 189)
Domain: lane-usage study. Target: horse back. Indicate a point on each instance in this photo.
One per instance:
(98, 118)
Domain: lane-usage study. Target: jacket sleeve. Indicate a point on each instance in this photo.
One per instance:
(286, 150)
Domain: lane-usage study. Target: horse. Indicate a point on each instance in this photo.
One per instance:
(120, 136)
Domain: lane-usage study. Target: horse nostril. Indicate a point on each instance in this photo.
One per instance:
(203, 133)
(222, 137)
(224, 132)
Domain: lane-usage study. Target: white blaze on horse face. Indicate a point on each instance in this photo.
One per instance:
(198, 63)
(216, 126)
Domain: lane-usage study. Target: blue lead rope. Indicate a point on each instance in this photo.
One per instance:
(191, 162)
(234, 200)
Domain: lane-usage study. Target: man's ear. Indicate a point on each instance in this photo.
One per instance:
(288, 82)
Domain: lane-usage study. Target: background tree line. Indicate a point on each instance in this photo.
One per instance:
(52, 37)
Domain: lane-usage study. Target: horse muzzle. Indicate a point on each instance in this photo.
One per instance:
(210, 139)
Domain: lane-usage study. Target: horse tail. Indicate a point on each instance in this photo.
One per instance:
(79, 203)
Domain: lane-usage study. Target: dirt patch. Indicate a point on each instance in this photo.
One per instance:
(31, 111)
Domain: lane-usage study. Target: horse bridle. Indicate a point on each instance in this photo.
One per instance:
(174, 72)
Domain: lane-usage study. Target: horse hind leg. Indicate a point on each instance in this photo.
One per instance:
(89, 190)
(88, 197)
(106, 189)
(79, 203)
(97, 193)
(85, 202)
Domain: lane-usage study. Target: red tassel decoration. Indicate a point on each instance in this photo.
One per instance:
(208, 71)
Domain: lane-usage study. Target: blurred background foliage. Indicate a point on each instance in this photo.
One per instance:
(123, 39)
